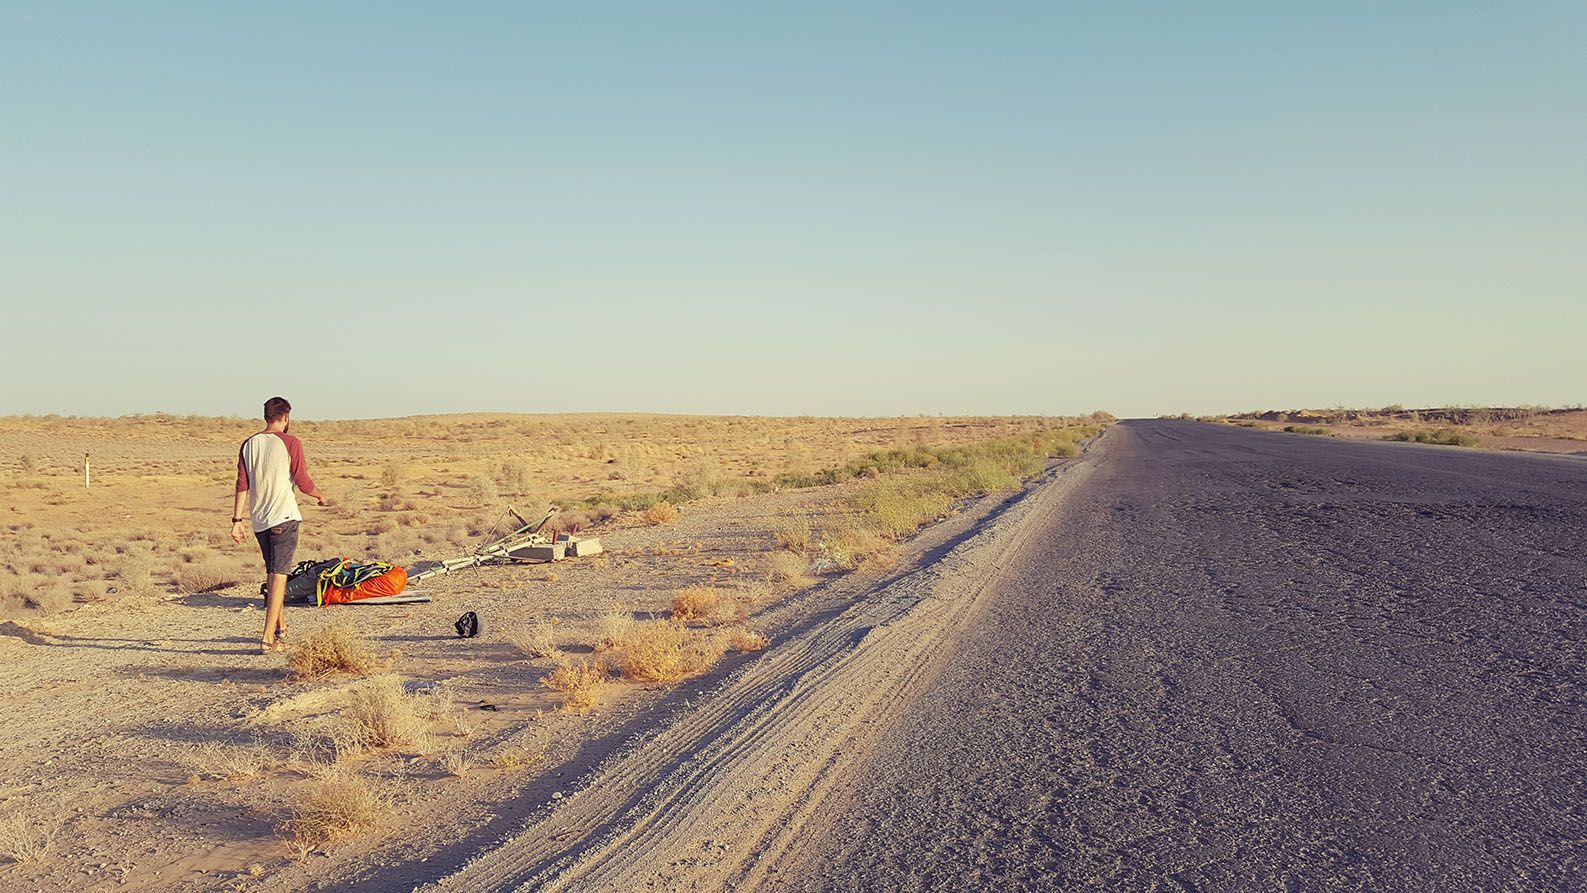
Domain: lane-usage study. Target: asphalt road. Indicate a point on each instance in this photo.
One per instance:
(1246, 660)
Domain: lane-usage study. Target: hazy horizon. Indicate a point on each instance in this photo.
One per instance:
(300, 417)
(791, 209)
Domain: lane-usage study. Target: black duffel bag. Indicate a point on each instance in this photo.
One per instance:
(301, 582)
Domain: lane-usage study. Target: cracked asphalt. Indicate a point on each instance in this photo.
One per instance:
(1245, 660)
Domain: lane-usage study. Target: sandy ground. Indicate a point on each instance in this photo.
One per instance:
(116, 710)
(402, 490)
(1553, 431)
(107, 704)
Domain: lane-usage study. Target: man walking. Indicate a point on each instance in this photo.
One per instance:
(268, 465)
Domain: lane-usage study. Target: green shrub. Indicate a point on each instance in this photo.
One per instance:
(1305, 429)
(1444, 436)
(898, 507)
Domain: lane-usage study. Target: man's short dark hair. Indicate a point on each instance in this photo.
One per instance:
(276, 408)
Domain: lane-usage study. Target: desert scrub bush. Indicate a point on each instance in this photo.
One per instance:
(697, 482)
(348, 503)
(481, 490)
(1015, 456)
(47, 597)
(536, 639)
(793, 532)
(136, 571)
(333, 811)
(26, 837)
(1443, 436)
(456, 762)
(707, 604)
(980, 475)
(852, 545)
(743, 640)
(658, 651)
(393, 474)
(331, 651)
(514, 476)
(222, 763)
(205, 576)
(789, 569)
(662, 512)
(751, 592)
(393, 501)
(318, 747)
(612, 627)
(1305, 429)
(582, 684)
(384, 713)
(898, 508)
(435, 703)
(694, 603)
(1064, 449)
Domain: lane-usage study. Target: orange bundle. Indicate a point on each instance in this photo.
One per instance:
(392, 582)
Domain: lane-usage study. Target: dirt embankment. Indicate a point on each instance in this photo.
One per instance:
(1534, 429)
(718, 794)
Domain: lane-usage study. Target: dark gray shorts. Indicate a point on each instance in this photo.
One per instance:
(278, 544)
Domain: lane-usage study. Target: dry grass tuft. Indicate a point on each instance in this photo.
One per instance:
(582, 684)
(317, 747)
(612, 627)
(205, 576)
(793, 532)
(227, 763)
(456, 762)
(658, 651)
(743, 639)
(789, 569)
(384, 713)
(481, 491)
(662, 512)
(331, 812)
(331, 651)
(393, 474)
(851, 546)
(48, 597)
(526, 754)
(136, 571)
(537, 639)
(1444, 436)
(25, 837)
(694, 603)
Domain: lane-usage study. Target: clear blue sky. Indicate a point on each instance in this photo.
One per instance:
(803, 208)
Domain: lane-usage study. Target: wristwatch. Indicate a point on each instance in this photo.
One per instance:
(236, 520)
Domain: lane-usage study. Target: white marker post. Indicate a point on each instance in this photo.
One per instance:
(85, 471)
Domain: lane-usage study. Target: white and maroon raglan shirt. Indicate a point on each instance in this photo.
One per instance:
(268, 464)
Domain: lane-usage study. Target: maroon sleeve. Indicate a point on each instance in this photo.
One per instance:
(300, 467)
(242, 472)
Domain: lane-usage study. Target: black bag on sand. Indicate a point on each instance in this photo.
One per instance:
(467, 626)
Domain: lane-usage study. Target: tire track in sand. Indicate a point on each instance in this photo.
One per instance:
(714, 798)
